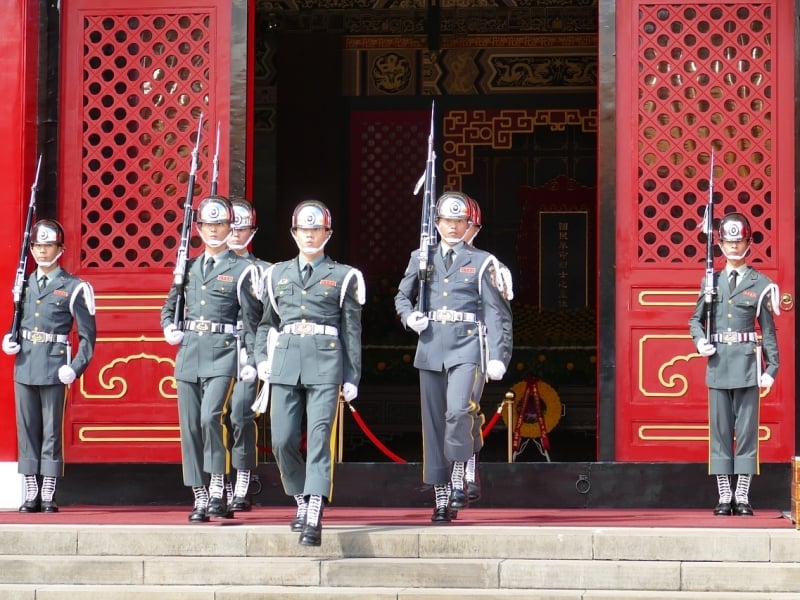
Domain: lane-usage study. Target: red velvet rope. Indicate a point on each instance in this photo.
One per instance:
(368, 432)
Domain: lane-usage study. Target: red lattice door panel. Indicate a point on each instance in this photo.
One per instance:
(692, 77)
(135, 79)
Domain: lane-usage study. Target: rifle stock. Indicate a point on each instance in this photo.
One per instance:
(427, 236)
(179, 279)
(709, 290)
(22, 267)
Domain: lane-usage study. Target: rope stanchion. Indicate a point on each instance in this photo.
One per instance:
(373, 438)
(509, 404)
(340, 429)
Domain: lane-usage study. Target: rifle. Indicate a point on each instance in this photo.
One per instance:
(215, 163)
(709, 290)
(179, 278)
(427, 230)
(22, 266)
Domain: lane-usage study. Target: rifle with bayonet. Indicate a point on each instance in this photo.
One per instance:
(215, 166)
(709, 289)
(427, 230)
(22, 267)
(179, 278)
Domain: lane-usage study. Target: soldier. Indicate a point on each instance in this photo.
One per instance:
(242, 417)
(218, 292)
(308, 344)
(45, 367)
(504, 283)
(460, 339)
(736, 370)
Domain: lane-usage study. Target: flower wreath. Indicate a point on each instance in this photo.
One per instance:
(551, 407)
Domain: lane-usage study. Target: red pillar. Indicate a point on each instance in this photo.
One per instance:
(19, 53)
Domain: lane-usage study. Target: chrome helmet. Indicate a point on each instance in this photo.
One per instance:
(453, 205)
(311, 214)
(244, 215)
(214, 209)
(47, 231)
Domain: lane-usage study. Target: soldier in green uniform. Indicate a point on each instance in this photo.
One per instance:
(217, 287)
(738, 363)
(45, 365)
(308, 344)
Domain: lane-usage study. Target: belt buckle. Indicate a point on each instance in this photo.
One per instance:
(729, 337)
(304, 328)
(202, 326)
(446, 315)
(38, 337)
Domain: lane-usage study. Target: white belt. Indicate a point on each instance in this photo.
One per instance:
(303, 328)
(209, 327)
(733, 337)
(452, 316)
(40, 337)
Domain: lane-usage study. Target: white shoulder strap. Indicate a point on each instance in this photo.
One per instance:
(88, 296)
(774, 299)
(253, 271)
(266, 285)
(361, 288)
(490, 260)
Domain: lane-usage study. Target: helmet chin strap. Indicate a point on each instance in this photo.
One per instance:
(214, 243)
(234, 246)
(311, 250)
(735, 256)
(48, 263)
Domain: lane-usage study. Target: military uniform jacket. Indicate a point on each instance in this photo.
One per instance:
(65, 300)
(734, 365)
(218, 298)
(261, 267)
(468, 286)
(332, 296)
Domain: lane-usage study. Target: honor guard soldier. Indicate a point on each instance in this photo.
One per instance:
(45, 364)
(242, 417)
(739, 364)
(308, 345)
(461, 339)
(504, 282)
(217, 288)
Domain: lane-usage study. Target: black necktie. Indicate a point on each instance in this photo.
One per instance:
(448, 258)
(42, 282)
(306, 273)
(208, 265)
(732, 281)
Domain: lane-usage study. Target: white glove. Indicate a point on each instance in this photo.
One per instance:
(66, 375)
(263, 371)
(766, 380)
(417, 321)
(248, 374)
(349, 391)
(10, 347)
(704, 348)
(495, 369)
(173, 335)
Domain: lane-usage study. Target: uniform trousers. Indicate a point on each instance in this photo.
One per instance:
(40, 428)
(314, 475)
(244, 435)
(201, 411)
(448, 419)
(733, 412)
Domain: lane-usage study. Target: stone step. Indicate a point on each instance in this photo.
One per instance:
(186, 592)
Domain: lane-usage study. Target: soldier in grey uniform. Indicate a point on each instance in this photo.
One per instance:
(738, 363)
(460, 341)
(217, 288)
(504, 283)
(308, 344)
(242, 417)
(45, 366)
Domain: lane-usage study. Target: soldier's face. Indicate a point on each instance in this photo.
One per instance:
(240, 236)
(215, 231)
(452, 230)
(45, 252)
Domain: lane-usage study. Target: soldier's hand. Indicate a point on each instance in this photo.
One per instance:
(10, 347)
(704, 348)
(349, 391)
(248, 374)
(172, 335)
(766, 380)
(417, 321)
(263, 371)
(495, 369)
(66, 374)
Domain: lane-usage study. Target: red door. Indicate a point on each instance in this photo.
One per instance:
(136, 77)
(692, 76)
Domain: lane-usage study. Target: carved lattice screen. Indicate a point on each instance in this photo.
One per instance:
(705, 81)
(145, 84)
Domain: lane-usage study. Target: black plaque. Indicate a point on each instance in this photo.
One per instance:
(563, 259)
